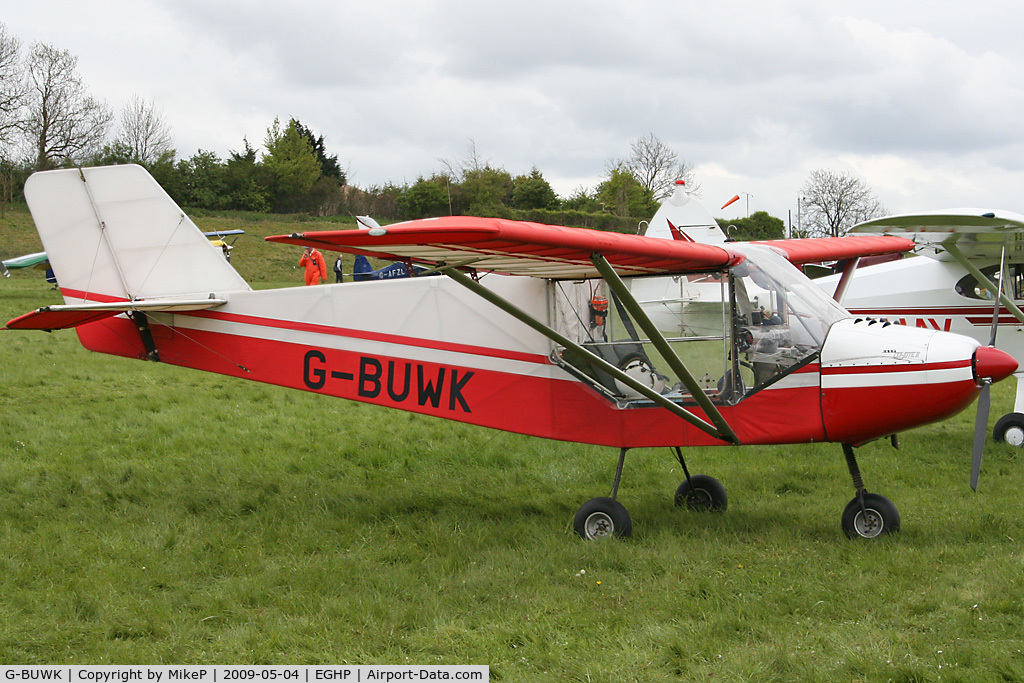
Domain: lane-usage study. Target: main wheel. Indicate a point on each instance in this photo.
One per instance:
(878, 517)
(602, 518)
(701, 492)
(1010, 428)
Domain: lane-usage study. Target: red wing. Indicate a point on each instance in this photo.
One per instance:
(518, 248)
(821, 249)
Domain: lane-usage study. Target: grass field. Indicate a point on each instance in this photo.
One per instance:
(150, 514)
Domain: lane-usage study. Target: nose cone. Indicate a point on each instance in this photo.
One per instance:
(993, 364)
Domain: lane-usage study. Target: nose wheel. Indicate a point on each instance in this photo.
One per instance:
(868, 515)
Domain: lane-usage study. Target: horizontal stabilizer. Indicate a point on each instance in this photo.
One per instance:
(63, 317)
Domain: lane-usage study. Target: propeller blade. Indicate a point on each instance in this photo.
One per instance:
(980, 434)
(984, 400)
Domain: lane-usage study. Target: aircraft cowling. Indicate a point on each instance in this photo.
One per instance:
(879, 378)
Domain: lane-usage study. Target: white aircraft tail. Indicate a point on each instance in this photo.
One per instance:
(690, 220)
(112, 234)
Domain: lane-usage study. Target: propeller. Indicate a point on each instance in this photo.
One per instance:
(984, 399)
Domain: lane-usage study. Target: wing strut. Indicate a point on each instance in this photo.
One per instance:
(469, 283)
(954, 251)
(663, 347)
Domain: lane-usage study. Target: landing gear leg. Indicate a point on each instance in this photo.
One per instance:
(604, 517)
(699, 492)
(868, 515)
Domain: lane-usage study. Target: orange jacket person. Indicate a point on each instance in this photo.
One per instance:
(316, 269)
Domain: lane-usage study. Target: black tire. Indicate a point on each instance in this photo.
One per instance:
(1010, 429)
(602, 518)
(703, 493)
(882, 517)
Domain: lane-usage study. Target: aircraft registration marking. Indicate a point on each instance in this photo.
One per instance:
(401, 380)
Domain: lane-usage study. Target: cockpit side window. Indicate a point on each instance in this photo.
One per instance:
(735, 331)
(968, 286)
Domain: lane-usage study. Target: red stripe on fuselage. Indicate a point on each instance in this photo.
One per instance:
(907, 367)
(368, 335)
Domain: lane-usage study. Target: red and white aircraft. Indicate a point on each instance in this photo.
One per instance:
(536, 329)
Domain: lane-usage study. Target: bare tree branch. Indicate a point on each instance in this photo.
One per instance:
(12, 86)
(656, 167)
(144, 133)
(834, 202)
(63, 121)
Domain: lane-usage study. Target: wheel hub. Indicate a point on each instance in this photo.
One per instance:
(1014, 436)
(869, 523)
(699, 499)
(599, 525)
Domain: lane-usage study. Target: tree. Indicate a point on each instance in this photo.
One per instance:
(657, 168)
(760, 225)
(483, 191)
(291, 167)
(12, 88)
(329, 167)
(244, 181)
(202, 181)
(143, 132)
(63, 121)
(623, 195)
(533, 192)
(834, 202)
(427, 198)
(582, 199)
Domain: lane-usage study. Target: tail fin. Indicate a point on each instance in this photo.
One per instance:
(683, 215)
(113, 234)
(361, 268)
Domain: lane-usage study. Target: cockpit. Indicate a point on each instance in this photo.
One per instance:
(735, 330)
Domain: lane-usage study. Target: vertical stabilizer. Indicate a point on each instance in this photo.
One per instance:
(112, 232)
(689, 217)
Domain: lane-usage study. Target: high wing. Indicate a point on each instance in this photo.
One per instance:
(223, 233)
(517, 248)
(978, 233)
(819, 249)
(556, 252)
(37, 260)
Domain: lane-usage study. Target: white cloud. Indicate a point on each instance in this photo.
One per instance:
(920, 100)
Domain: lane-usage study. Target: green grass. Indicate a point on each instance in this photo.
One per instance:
(150, 514)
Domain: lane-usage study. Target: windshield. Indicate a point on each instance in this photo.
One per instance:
(735, 331)
(773, 284)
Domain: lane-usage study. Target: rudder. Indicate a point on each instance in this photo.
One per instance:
(113, 234)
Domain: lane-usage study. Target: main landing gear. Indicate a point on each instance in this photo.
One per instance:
(606, 517)
(868, 515)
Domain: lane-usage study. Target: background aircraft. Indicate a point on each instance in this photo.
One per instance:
(947, 287)
(509, 338)
(950, 286)
(37, 260)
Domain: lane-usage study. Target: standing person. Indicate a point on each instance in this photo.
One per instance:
(316, 269)
(337, 270)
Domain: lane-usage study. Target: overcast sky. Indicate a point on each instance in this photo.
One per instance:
(921, 100)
